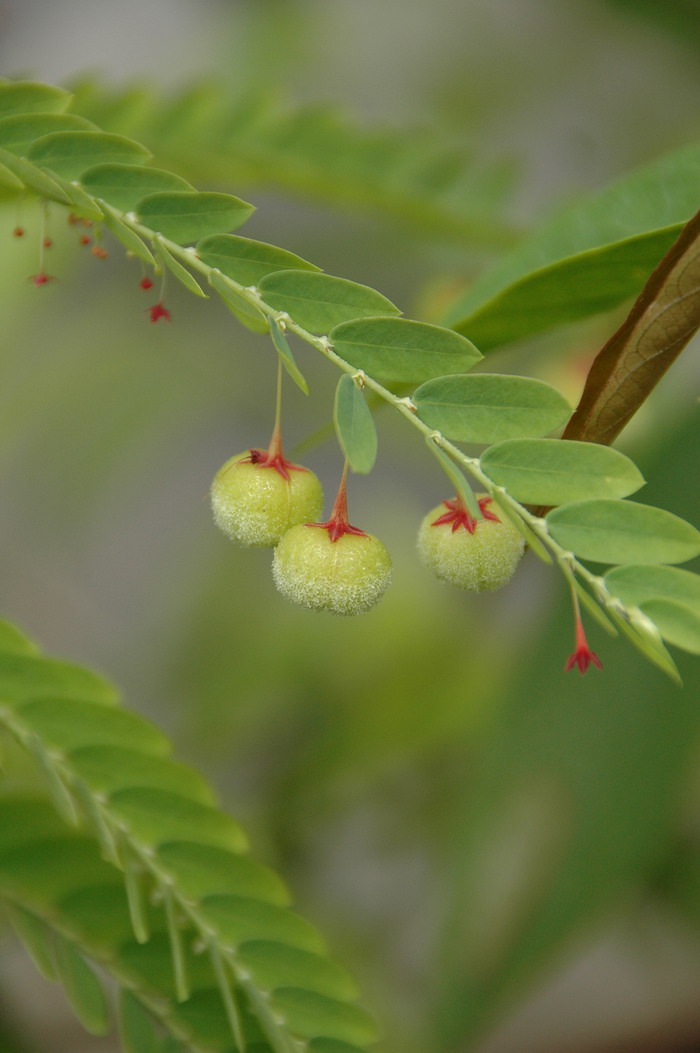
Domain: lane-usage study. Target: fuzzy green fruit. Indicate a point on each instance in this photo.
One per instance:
(346, 576)
(255, 504)
(480, 555)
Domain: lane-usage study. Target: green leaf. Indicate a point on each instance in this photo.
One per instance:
(23, 677)
(9, 180)
(83, 204)
(180, 272)
(18, 132)
(399, 349)
(83, 989)
(636, 584)
(587, 259)
(137, 1028)
(28, 96)
(243, 311)
(106, 769)
(555, 471)
(309, 1014)
(201, 870)
(185, 217)
(676, 622)
(488, 408)
(318, 302)
(33, 178)
(37, 939)
(156, 816)
(124, 185)
(609, 531)
(354, 426)
(237, 919)
(128, 237)
(67, 725)
(68, 154)
(287, 358)
(12, 641)
(277, 965)
(247, 261)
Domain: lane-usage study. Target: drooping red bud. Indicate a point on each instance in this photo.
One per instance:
(41, 278)
(582, 656)
(47, 243)
(158, 311)
(146, 283)
(18, 232)
(100, 252)
(84, 239)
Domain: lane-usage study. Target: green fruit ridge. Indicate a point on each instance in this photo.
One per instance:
(255, 500)
(345, 575)
(476, 554)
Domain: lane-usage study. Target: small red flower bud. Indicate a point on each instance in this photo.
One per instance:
(582, 656)
(84, 239)
(99, 252)
(18, 232)
(47, 243)
(158, 311)
(41, 278)
(146, 283)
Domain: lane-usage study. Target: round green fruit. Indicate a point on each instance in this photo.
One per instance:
(256, 503)
(476, 554)
(345, 576)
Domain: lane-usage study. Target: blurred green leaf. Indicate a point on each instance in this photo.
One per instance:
(19, 131)
(129, 238)
(490, 407)
(33, 178)
(678, 624)
(137, 1028)
(31, 97)
(610, 531)
(83, 990)
(180, 272)
(554, 471)
(402, 350)
(68, 154)
(318, 302)
(637, 584)
(587, 259)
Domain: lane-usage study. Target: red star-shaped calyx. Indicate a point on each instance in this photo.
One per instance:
(459, 516)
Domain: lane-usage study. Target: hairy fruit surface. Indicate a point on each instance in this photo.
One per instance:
(255, 502)
(476, 554)
(347, 575)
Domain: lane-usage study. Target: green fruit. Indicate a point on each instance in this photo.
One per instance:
(482, 560)
(347, 576)
(255, 504)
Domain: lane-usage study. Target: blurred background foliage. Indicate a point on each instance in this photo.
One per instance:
(446, 803)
